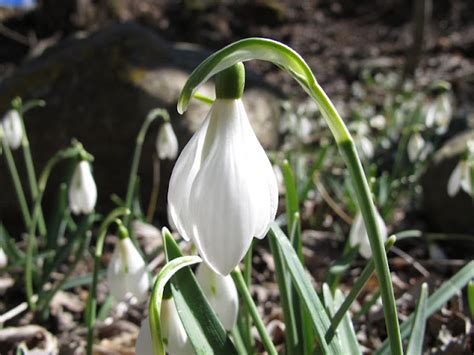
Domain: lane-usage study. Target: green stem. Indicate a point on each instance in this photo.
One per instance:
(246, 319)
(16, 181)
(238, 342)
(247, 297)
(152, 115)
(367, 207)
(355, 291)
(91, 307)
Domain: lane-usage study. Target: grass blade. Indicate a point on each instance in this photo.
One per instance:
(415, 344)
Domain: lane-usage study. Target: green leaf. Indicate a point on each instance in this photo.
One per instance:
(436, 300)
(199, 319)
(415, 344)
(470, 297)
(308, 295)
(347, 334)
(154, 308)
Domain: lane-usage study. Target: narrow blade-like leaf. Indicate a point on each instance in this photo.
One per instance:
(415, 344)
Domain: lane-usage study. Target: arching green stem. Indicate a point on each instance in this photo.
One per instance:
(287, 59)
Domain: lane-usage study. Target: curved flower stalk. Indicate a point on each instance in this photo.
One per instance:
(82, 191)
(415, 146)
(221, 293)
(223, 191)
(166, 142)
(286, 58)
(174, 334)
(12, 129)
(3, 258)
(127, 273)
(358, 235)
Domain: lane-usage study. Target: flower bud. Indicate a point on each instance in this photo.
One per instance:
(126, 273)
(12, 129)
(221, 293)
(166, 142)
(82, 191)
(358, 235)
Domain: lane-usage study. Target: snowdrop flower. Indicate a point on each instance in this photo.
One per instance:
(223, 191)
(363, 143)
(3, 258)
(166, 142)
(174, 335)
(221, 293)
(82, 191)
(415, 146)
(460, 178)
(378, 122)
(127, 272)
(439, 113)
(12, 129)
(358, 234)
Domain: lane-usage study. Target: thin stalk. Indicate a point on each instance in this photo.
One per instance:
(20, 194)
(152, 115)
(355, 291)
(246, 319)
(91, 307)
(238, 342)
(247, 297)
(155, 190)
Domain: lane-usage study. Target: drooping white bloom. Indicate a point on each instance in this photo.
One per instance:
(439, 113)
(223, 191)
(126, 273)
(358, 234)
(82, 191)
(221, 293)
(12, 129)
(415, 146)
(460, 178)
(3, 258)
(174, 335)
(378, 122)
(166, 142)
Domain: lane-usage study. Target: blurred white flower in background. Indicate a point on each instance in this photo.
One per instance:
(221, 293)
(166, 142)
(82, 190)
(439, 113)
(378, 122)
(460, 178)
(358, 235)
(12, 129)
(415, 146)
(127, 273)
(364, 145)
(3, 258)
(174, 335)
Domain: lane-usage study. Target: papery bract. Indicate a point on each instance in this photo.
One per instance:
(358, 234)
(166, 142)
(221, 293)
(83, 190)
(126, 273)
(12, 129)
(223, 191)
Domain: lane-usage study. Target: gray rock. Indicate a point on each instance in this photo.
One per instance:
(444, 213)
(99, 89)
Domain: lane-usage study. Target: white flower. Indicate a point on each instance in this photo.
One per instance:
(279, 178)
(460, 178)
(3, 258)
(12, 129)
(166, 142)
(358, 234)
(378, 122)
(127, 272)
(223, 191)
(82, 191)
(415, 146)
(439, 114)
(174, 335)
(221, 293)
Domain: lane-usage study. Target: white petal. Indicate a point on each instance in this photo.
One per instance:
(166, 142)
(127, 272)
(144, 345)
(415, 146)
(12, 129)
(454, 182)
(3, 259)
(234, 195)
(358, 234)
(82, 190)
(174, 334)
(221, 293)
(182, 177)
(466, 178)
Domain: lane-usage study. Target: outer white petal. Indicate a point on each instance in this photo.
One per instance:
(415, 146)
(454, 182)
(182, 177)
(466, 181)
(221, 294)
(144, 345)
(234, 194)
(12, 129)
(127, 273)
(174, 334)
(82, 190)
(3, 259)
(430, 115)
(358, 234)
(166, 142)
